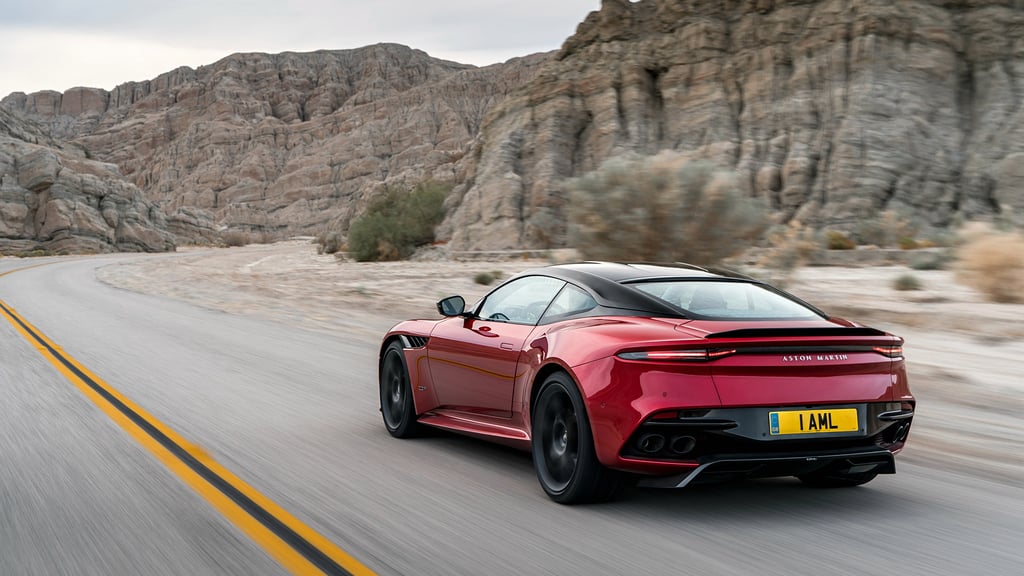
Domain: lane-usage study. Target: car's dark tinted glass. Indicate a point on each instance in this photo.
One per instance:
(727, 300)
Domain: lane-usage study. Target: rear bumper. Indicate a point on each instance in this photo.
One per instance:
(715, 468)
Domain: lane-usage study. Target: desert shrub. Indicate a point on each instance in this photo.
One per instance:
(240, 238)
(993, 262)
(789, 247)
(234, 238)
(937, 260)
(908, 243)
(905, 282)
(836, 240)
(887, 230)
(329, 242)
(661, 209)
(485, 278)
(398, 222)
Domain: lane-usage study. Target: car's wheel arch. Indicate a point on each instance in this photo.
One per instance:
(388, 341)
(384, 346)
(540, 377)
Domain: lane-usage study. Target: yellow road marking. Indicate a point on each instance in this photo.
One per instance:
(285, 554)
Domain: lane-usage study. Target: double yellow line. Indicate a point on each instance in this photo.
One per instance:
(296, 546)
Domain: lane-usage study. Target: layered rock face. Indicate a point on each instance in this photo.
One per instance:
(57, 200)
(832, 110)
(284, 144)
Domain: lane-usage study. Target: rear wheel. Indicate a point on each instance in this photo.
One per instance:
(837, 480)
(563, 447)
(396, 403)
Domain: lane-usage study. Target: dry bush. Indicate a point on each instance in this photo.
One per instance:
(790, 247)
(905, 282)
(397, 222)
(234, 238)
(888, 230)
(329, 242)
(239, 238)
(661, 209)
(484, 278)
(937, 260)
(836, 240)
(993, 263)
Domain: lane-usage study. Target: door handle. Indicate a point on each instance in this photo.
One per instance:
(506, 346)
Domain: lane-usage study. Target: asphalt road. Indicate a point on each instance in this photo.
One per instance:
(294, 413)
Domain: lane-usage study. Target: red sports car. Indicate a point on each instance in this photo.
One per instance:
(669, 375)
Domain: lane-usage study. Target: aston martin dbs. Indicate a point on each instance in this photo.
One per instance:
(663, 375)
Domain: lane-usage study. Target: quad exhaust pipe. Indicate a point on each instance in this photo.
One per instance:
(654, 443)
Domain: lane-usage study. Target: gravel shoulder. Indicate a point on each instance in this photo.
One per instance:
(965, 356)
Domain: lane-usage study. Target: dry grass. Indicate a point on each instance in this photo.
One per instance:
(993, 263)
(888, 230)
(790, 247)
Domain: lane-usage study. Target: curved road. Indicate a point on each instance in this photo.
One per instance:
(294, 414)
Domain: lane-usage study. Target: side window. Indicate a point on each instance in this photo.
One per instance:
(571, 300)
(521, 301)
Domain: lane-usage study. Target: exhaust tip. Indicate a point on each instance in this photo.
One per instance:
(651, 443)
(901, 433)
(682, 444)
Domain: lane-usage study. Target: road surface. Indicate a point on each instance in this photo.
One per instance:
(292, 413)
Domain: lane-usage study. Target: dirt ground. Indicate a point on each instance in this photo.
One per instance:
(965, 356)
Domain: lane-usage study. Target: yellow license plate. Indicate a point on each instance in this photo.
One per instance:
(813, 421)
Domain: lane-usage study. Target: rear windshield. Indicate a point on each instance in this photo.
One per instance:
(727, 300)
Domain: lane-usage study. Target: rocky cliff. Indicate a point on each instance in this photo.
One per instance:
(55, 199)
(282, 144)
(832, 110)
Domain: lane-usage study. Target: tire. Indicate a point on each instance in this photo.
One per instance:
(563, 447)
(837, 480)
(396, 405)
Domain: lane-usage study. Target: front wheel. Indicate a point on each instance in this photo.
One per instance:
(563, 447)
(396, 403)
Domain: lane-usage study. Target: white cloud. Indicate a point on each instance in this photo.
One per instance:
(60, 44)
(35, 60)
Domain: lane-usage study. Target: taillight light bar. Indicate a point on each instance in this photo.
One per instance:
(892, 351)
(700, 355)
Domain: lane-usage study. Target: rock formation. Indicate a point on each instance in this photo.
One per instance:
(832, 110)
(282, 144)
(57, 200)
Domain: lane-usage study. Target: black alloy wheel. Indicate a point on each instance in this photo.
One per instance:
(563, 447)
(396, 403)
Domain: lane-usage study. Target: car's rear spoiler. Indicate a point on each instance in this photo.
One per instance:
(796, 332)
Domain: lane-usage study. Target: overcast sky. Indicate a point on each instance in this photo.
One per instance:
(61, 44)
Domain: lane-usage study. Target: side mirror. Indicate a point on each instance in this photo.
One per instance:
(452, 306)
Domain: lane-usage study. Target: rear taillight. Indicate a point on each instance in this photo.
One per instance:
(892, 351)
(700, 355)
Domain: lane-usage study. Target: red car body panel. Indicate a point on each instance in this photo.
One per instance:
(478, 377)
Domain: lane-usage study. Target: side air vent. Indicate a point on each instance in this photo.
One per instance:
(414, 341)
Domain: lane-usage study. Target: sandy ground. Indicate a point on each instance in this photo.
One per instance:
(965, 356)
